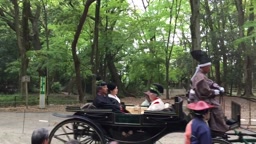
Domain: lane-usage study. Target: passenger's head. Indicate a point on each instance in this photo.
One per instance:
(40, 136)
(112, 89)
(200, 109)
(154, 91)
(102, 87)
(73, 142)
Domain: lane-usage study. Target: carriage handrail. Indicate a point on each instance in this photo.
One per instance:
(236, 112)
(178, 107)
(78, 109)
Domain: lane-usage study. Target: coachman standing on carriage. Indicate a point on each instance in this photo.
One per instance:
(202, 88)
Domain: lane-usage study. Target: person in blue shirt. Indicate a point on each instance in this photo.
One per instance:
(197, 130)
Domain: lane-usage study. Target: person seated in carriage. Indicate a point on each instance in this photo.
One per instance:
(202, 88)
(197, 130)
(153, 94)
(112, 93)
(102, 100)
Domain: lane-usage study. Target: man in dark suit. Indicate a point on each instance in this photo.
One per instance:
(102, 100)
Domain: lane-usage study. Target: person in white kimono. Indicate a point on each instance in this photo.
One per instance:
(153, 94)
(113, 90)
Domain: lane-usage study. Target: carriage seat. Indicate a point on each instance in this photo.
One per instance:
(88, 106)
(175, 108)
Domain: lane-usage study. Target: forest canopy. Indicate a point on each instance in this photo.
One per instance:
(132, 43)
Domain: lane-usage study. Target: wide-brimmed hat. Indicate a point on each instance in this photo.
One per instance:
(156, 89)
(200, 105)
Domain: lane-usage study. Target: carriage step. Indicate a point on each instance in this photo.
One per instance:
(73, 108)
(62, 115)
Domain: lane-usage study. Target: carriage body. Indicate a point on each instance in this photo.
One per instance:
(102, 125)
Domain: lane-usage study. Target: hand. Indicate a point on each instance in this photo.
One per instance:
(222, 89)
(216, 92)
(192, 92)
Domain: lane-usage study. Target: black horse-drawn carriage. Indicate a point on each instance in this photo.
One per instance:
(102, 125)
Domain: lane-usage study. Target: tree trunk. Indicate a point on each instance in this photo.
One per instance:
(195, 24)
(26, 44)
(74, 54)
(214, 42)
(168, 50)
(114, 73)
(95, 55)
(223, 47)
(246, 50)
(249, 60)
(47, 46)
(34, 21)
(195, 27)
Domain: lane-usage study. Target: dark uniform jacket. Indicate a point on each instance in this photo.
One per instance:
(104, 102)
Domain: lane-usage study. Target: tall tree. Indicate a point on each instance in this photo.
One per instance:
(95, 47)
(22, 35)
(246, 49)
(74, 51)
(27, 35)
(195, 24)
(214, 41)
(174, 12)
(249, 58)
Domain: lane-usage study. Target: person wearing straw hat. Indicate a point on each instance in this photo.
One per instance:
(197, 130)
(153, 93)
(202, 88)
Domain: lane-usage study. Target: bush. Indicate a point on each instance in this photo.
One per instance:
(56, 87)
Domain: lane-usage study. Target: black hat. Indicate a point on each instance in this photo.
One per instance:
(101, 83)
(111, 86)
(201, 57)
(155, 88)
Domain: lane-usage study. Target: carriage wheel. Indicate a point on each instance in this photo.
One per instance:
(219, 141)
(77, 129)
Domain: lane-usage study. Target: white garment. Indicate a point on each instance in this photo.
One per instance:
(145, 103)
(156, 105)
(114, 97)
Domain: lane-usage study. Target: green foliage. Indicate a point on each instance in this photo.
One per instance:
(56, 87)
(16, 100)
(134, 39)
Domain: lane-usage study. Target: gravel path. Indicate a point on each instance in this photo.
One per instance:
(17, 124)
(16, 128)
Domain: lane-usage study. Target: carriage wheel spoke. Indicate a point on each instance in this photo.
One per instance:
(57, 137)
(66, 132)
(87, 140)
(75, 129)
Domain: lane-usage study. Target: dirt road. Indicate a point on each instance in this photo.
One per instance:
(17, 127)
